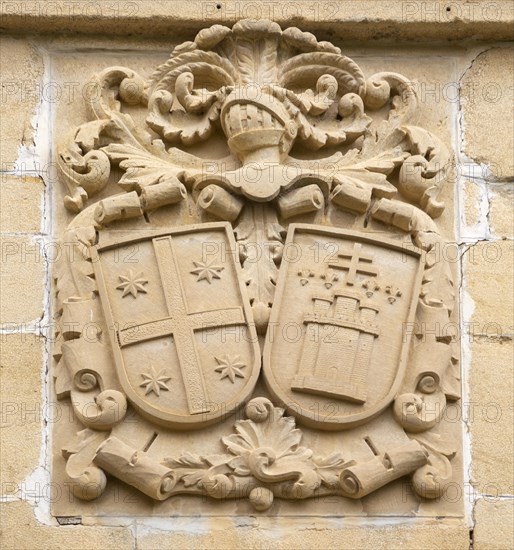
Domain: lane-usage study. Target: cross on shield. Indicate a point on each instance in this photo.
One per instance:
(355, 264)
(175, 311)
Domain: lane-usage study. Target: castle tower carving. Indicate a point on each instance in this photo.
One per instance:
(337, 347)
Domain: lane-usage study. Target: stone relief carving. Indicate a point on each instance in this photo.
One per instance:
(306, 240)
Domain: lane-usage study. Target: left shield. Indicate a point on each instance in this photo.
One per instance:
(180, 326)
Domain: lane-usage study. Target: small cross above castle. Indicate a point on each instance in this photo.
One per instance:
(355, 264)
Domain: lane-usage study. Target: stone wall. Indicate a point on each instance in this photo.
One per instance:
(472, 37)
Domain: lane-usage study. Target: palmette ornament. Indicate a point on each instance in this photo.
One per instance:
(305, 246)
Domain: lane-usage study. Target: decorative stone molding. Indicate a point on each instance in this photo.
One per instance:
(267, 187)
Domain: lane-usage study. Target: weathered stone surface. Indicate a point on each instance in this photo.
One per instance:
(491, 416)
(488, 117)
(20, 529)
(22, 280)
(364, 20)
(22, 71)
(501, 214)
(494, 524)
(223, 533)
(21, 364)
(21, 204)
(471, 198)
(488, 274)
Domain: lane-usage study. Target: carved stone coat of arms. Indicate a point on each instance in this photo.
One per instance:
(250, 301)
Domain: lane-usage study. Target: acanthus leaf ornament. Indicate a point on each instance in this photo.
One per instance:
(282, 231)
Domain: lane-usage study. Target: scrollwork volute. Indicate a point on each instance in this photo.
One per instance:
(313, 154)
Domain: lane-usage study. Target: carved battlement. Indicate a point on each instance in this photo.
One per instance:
(345, 311)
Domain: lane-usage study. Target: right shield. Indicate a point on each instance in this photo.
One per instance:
(337, 343)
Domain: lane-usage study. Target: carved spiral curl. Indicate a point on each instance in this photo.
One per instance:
(428, 383)
(161, 100)
(86, 380)
(132, 91)
(327, 86)
(111, 83)
(217, 486)
(90, 484)
(381, 86)
(167, 485)
(108, 408)
(261, 498)
(85, 176)
(411, 182)
(259, 409)
(412, 413)
(378, 92)
(349, 483)
(430, 480)
(349, 104)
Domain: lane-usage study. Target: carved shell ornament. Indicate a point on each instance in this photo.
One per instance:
(264, 184)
